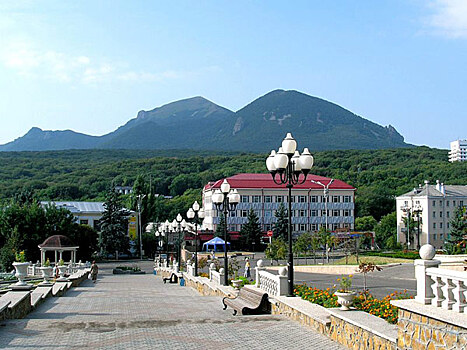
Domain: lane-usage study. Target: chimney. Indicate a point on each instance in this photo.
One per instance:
(443, 189)
(438, 186)
(426, 183)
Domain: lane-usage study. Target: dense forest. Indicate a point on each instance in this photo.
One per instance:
(378, 175)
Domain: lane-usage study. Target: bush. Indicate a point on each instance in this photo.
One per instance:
(404, 254)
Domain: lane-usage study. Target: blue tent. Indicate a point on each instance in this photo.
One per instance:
(213, 243)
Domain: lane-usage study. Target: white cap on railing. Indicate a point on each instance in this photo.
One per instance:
(427, 252)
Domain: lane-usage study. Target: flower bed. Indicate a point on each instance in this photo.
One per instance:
(364, 301)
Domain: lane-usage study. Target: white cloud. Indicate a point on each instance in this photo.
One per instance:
(31, 62)
(449, 18)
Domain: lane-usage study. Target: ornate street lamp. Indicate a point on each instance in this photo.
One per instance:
(139, 200)
(225, 200)
(407, 210)
(286, 166)
(417, 210)
(195, 213)
(177, 226)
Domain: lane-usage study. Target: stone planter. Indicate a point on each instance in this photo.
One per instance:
(46, 275)
(21, 272)
(61, 271)
(237, 284)
(345, 299)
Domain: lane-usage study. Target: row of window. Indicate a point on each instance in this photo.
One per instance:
(461, 203)
(440, 225)
(448, 214)
(295, 199)
(296, 227)
(296, 213)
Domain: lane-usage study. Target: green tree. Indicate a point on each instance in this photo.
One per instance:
(326, 239)
(365, 223)
(276, 250)
(114, 225)
(251, 232)
(386, 231)
(280, 228)
(302, 244)
(458, 233)
(314, 245)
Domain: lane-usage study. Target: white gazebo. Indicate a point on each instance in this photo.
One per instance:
(58, 244)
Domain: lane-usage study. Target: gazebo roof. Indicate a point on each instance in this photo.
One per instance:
(57, 241)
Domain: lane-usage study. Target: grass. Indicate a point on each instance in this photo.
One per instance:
(377, 260)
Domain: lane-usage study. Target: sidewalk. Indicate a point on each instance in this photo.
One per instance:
(140, 312)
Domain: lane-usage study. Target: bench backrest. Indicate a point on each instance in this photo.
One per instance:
(252, 295)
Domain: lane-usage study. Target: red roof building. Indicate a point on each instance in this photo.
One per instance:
(319, 201)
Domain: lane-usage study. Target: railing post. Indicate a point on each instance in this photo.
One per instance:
(424, 281)
(221, 276)
(259, 267)
(212, 268)
(282, 288)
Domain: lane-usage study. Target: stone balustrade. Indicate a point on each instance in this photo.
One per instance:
(190, 269)
(439, 287)
(274, 285)
(216, 277)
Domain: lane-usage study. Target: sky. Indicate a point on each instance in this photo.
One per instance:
(90, 66)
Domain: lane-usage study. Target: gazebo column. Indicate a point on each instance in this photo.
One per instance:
(42, 257)
(61, 254)
(55, 257)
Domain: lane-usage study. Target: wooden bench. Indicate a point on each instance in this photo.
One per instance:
(172, 279)
(248, 302)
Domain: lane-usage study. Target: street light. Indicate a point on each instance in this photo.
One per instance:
(326, 195)
(417, 210)
(407, 210)
(225, 200)
(289, 165)
(140, 198)
(195, 213)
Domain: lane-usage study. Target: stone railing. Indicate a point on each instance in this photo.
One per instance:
(274, 285)
(439, 287)
(216, 277)
(190, 269)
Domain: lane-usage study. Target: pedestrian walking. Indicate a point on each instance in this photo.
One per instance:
(247, 273)
(94, 271)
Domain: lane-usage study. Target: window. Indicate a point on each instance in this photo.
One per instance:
(347, 199)
(435, 237)
(440, 225)
(233, 213)
(447, 203)
(97, 224)
(244, 199)
(434, 203)
(406, 203)
(346, 212)
(335, 226)
(440, 203)
(335, 212)
(301, 199)
(453, 203)
(448, 214)
(448, 225)
(417, 202)
(461, 203)
(256, 199)
(302, 213)
(323, 199)
(335, 199)
(434, 225)
(267, 213)
(314, 212)
(292, 199)
(440, 214)
(434, 214)
(83, 222)
(279, 199)
(267, 199)
(314, 199)
(244, 213)
(302, 227)
(441, 236)
(314, 227)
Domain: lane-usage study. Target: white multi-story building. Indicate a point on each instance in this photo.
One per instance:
(435, 205)
(85, 213)
(458, 152)
(309, 205)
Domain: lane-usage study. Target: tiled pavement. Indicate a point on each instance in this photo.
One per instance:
(140, 312)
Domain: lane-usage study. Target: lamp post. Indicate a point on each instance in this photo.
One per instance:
(195, 213)
(225, 200)
(177, 225)
(325, 195)
(417, 210)
(407, 210)
(140, 198)
(287, 164)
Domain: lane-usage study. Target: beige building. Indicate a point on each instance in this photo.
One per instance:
(435, 205)
(309, 204)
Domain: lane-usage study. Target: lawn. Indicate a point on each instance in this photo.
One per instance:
(377, 260)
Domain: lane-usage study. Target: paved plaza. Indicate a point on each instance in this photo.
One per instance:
(140, 312)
